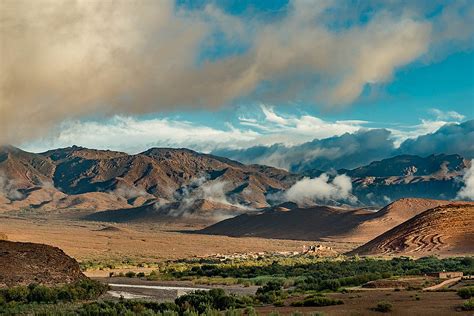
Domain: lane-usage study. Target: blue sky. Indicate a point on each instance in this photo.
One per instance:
(213, 74)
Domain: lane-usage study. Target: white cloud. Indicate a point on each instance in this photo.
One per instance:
(9, 189)
(426, 126)
(467, 191)
(132, 135)
(320, 189)
(447, 115)
(410, 132)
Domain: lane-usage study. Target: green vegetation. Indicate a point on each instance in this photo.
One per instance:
(196, 303)
(278, 278)
(85, 289)
(115, 264)
(466, 292)
(306, 273)
(271, 293)
(317, 301)
(383, 307)
(468, 305)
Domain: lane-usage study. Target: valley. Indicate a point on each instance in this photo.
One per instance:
(163, 230)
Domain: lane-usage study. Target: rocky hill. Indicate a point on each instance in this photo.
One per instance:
(26, 263)
(323, 223)
(435, 176)
(444, 230)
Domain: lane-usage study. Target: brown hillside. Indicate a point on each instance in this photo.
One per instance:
(197, 211)
(25, 263)
(390, 216)
(82, 178)
(323, 223)
(24, 169)
(301, 223)
(443, 230)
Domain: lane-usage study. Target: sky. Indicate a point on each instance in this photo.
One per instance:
(208, 75)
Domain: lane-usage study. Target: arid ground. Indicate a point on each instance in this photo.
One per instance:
(95, 241)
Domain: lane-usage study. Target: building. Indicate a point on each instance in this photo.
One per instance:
(446, 274)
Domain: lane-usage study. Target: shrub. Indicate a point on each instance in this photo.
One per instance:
(468, 305)
(250, 311)
(153, 276)
(466, 292)
(317, 301)
(17, 294)
(201, 301)
(383, 307)
(42, 294)
(140, 274)
(130, 274)
(85, 289)
(270, 292)
(279, 303)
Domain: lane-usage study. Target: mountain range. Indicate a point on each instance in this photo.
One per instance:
(174, 182)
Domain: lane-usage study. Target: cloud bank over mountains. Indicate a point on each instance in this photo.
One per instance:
(126, 58)
(359, 148)
(467, 191)
(291, 142)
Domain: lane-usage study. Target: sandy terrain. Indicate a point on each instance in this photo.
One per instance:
(141, 242)
(361, 303)
(444, 230)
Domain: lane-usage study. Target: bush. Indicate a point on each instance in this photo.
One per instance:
(41, 294)
(317, 301)
(383, 307)
(130, 274)
(468, 305)
(279, 303)
(17, 294)
(85, 289)
(200, 301)
(250, 311)
(270, 292)
(466, 292)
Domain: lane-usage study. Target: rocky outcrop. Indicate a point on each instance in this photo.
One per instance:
(25, 263)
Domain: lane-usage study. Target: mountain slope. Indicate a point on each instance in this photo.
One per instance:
(302, 224)
(435, 176)
(323, 223)
(444, 230)
(84, 178)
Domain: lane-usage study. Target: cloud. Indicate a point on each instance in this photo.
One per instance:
(447, 115)
(63, 60)
(320, 189)
(467, 191)
(202, 188)
(348, 150)
(9, 189)
(354, 149)
(451, 138)
(129, 191)
(132, 135)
